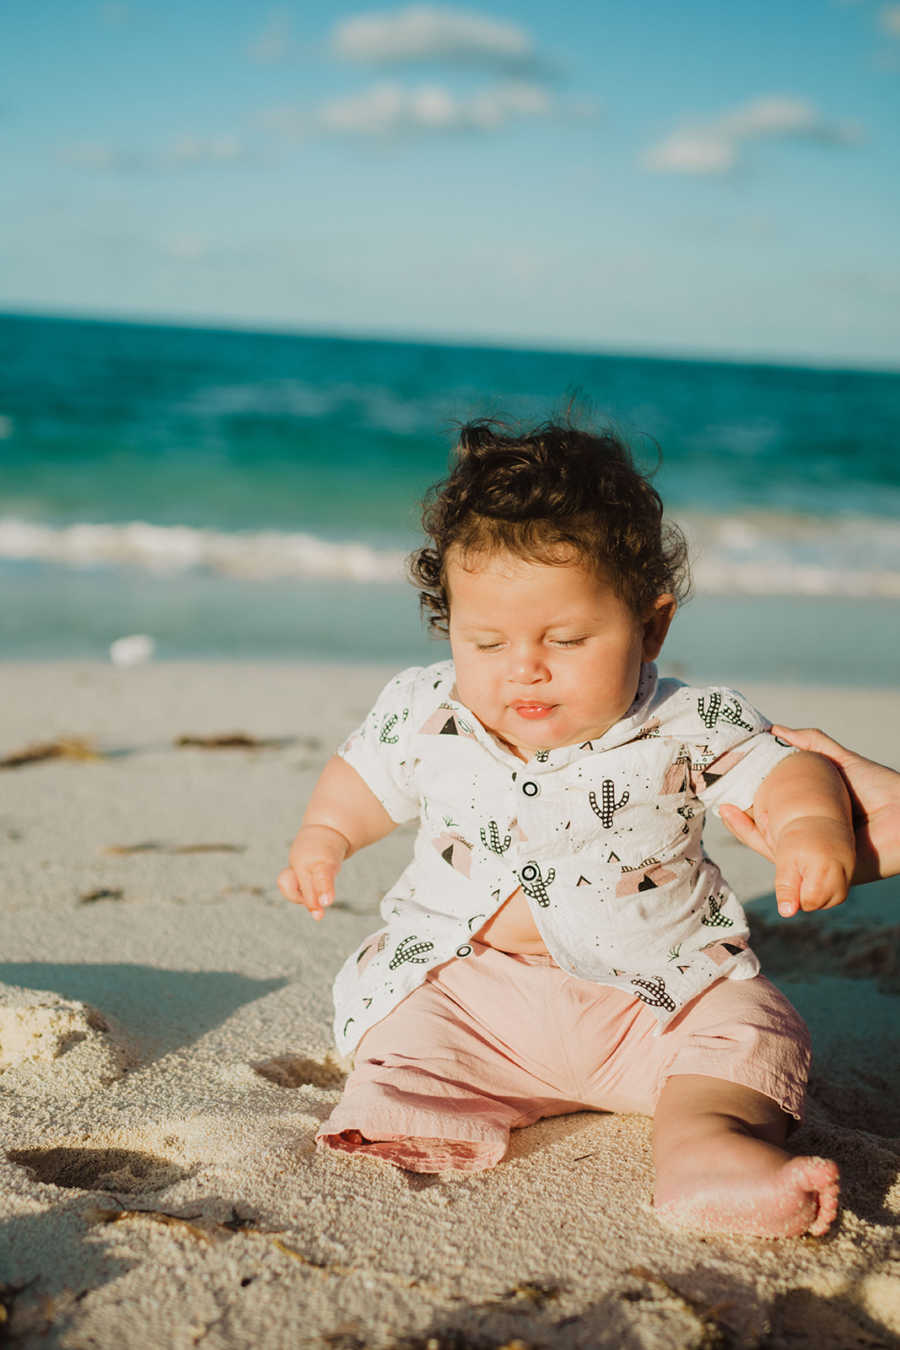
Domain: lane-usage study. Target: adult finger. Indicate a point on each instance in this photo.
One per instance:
(811, 738)
(744, 829)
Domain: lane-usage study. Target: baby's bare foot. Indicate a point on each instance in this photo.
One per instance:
(775, 1196)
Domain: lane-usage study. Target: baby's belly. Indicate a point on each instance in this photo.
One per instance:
(512, 929)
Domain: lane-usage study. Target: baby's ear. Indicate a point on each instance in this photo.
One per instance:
(656, 625)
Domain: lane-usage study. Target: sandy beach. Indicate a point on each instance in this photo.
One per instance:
(165, 1059)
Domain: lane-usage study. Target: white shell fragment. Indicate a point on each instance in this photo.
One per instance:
(133, 650)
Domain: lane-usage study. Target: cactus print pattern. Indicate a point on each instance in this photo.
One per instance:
(610, 805)
(711, 710)
(534, 885)
(410, 949)
(387, 727)
(715, 918)
(653, 992)
(608, 848)
(491, 838)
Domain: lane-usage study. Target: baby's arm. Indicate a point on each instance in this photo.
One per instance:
(343, 816)
(802, 808)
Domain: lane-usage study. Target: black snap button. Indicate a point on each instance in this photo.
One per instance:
(530, 872)
(464, 951)
(530, 788)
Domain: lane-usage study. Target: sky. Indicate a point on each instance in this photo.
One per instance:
(675, 178)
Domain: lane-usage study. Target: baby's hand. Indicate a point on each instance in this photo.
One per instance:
(814, 859)
(315, 859)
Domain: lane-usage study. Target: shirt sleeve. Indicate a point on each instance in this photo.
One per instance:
(380, 750)
(735, 749)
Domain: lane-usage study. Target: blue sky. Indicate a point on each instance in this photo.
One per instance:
(697, 177)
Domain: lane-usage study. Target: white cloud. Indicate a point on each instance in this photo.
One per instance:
(389, 109)
(432, 32)
(889, 18)
(187, 150)
(692, 151)
(715, 147)
(273, 42)
(100, 155)
(207, 150)
(778, 115)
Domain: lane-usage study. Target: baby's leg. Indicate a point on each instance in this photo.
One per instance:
(720, 1165)
(443, 1078)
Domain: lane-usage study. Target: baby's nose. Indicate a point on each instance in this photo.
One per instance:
(528, 665)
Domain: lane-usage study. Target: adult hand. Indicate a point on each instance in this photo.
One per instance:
(874, 791)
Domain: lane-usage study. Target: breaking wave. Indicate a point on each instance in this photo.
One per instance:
(762, 554)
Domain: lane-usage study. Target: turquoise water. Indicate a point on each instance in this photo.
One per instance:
(240, 494)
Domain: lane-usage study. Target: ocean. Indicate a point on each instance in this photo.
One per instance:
(252, 496)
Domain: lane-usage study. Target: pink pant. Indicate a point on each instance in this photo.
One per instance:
(497, 1041)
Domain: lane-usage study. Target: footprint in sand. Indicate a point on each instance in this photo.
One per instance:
(118, 1170)
(293, 1071)
(50, 1044)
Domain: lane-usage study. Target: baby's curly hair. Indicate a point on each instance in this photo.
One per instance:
(547, 494)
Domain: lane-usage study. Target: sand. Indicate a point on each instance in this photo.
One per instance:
(165, 1058)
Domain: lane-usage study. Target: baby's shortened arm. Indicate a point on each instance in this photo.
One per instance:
(343, 816)
(803, 809)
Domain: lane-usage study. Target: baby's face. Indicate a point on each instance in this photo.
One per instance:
(546, 655)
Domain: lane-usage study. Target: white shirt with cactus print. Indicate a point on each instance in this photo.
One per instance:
(604, 839)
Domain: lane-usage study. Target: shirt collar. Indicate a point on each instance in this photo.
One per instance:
(618, 734)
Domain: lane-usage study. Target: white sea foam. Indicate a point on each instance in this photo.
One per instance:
(264, 555)
(751, 555)
(767, 553)
(713, 576)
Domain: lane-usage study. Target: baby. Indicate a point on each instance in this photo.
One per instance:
(560, 940)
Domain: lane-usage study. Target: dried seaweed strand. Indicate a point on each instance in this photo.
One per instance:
(206, 1233)
(64, 747)
(229, 740)
(101, 893)
(208, 848)
(154, 846)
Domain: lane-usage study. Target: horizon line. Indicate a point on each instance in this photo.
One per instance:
(500, 342)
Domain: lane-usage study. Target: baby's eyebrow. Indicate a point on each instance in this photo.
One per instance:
(473, 626)
(579, 625)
